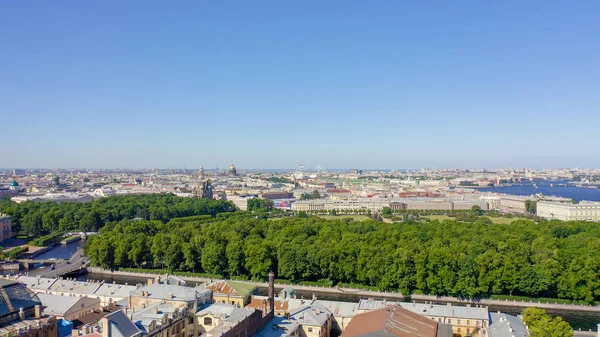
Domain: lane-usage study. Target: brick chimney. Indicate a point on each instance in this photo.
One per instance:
(271, 291)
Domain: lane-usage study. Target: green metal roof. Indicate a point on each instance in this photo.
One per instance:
(242, 288)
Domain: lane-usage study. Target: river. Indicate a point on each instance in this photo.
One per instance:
(578, 320)
(558, 188)
(61, 251)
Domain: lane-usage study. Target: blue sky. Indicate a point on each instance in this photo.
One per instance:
(273, 84)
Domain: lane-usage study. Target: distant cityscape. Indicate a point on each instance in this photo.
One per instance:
(346, 191)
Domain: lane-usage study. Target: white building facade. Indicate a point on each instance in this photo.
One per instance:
(568, 212)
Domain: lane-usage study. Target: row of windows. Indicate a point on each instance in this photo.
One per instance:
(457, 321)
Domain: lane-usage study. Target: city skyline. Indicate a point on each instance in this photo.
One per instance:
(268, 84)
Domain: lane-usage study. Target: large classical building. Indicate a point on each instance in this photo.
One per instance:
(514, 204)
(5, 227)
(341, 205)
(569, 211)
(437, 204)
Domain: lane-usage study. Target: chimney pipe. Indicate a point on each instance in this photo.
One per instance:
(38, 311)
(271, 291)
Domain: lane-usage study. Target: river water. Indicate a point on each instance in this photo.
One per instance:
(578, 320)
(558, 188)
(61, 251)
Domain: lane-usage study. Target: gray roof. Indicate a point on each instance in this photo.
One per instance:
(504, 325)
(278, 327)
(37, 283)
(121, 326)
(60, 305)
(340, 309)
(17, 295)
(142, 318)
(172, 292)
(444, 330)
(314, 314)
(74, 287)
(452, 311)
(114, 290)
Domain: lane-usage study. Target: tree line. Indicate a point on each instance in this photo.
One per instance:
(471, 260)
(35, 219)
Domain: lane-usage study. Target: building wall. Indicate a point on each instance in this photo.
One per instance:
(277, 195)
(568, 212)
(81, 308)
(140, 301)
(238, 301)
(465, 327)
(5, 228)
(513, 205)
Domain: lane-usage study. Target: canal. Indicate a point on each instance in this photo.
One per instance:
(578, 320)
(61, 251)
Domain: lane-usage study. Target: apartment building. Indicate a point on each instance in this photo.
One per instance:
(569, 211)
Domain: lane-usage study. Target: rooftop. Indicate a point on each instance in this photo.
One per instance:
(391, 322)
(171, 292)
(231, 288)
(504, 325)
(278, 327)
(14, 295)
(60, 305)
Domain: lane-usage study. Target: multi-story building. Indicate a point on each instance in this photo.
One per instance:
(436, 204)
(466, 321)
(341, 205)
(514, 204)
(5, 227)
(67, 307)
(232, 292)
(395, 321)
(240, 202)
(276, 195)
(569, 211)
(504, 325)
(178, 296)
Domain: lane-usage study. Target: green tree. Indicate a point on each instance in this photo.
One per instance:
(543, 325)
(477, 211)
(315, 195)
(531, 206)
(212, 258)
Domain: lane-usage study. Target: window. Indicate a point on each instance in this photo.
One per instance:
(468, 322)
(309, 329)
(207, 321)
(458, 322)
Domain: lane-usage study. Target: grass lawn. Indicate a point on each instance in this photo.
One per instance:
(339, 217)
(502, 221)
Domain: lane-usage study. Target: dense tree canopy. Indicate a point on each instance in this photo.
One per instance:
(42, 218)
(473, 260)
(543, 325)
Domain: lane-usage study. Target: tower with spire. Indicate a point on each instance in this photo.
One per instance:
(204, 189)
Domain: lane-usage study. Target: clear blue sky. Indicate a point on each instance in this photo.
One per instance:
(273, 84)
